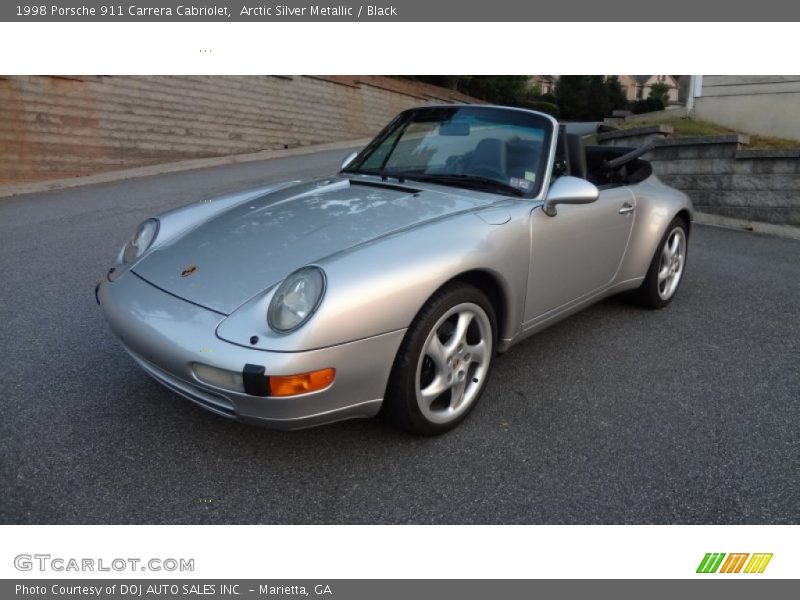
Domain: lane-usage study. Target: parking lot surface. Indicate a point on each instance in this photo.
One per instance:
(616, 415)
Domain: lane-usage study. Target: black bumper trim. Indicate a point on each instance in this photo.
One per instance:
(255, 380)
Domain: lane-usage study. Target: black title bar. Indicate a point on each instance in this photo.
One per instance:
(411, 11)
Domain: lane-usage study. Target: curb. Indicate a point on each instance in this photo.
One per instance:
(784, 231)
(7, 191)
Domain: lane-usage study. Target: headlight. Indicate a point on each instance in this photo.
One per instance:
(296, 299)
(140, 242)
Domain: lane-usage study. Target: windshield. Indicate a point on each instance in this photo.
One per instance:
(485, 148)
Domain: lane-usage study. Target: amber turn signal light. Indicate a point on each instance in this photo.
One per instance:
(292, 385)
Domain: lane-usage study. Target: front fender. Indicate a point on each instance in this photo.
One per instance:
(380, 286)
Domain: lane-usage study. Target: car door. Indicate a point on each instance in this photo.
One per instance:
(577, 252)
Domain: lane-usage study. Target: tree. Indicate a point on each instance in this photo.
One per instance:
(617, 99)
(498, 89)
(587, 97)
(598, 105)
(575, 98)
(572, 96)
(660, 91)
(534, 90)
(452, 82)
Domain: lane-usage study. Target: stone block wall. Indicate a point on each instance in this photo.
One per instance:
(56, 127)
(721, 175)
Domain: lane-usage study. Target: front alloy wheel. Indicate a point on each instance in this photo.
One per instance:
(454, 362)
(444, 361)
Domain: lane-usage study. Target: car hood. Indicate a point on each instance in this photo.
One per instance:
(227, 260)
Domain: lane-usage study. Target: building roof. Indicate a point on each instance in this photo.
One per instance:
(642, 79)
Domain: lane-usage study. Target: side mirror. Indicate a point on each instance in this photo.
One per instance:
(348, 159)
(569, 190)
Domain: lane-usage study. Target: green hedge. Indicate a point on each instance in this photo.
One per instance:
(647, 105)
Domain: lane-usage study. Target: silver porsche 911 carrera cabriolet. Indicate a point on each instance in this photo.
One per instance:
(391, 287)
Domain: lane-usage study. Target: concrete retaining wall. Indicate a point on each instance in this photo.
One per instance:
(57, 127)
(721, 175)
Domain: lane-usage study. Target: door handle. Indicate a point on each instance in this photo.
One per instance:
(626, 208)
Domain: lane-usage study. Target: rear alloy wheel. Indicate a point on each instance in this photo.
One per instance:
(666, 269)
(670, 264)
(444, 362)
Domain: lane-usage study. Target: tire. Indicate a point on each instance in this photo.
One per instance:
(434, 386)
(666, 269)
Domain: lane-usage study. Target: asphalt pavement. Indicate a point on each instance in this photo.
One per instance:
(616, 415)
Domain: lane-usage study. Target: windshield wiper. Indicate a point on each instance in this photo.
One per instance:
(386, 174)
(383, 174)
(474, 181)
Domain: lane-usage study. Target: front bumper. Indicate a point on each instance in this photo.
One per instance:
(167, 335)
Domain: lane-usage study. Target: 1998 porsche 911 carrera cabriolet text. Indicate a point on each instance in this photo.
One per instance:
(391, 286)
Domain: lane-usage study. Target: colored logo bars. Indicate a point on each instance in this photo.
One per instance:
(734, 562)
